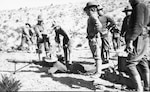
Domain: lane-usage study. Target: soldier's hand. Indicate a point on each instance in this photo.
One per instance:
(129, 47)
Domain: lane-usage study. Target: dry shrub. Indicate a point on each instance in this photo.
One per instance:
(9, 84)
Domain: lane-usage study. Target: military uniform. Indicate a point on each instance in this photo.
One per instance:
(125, 24)
(27, 36)
(42, 36)
(138, 20)
(107, 23)
(66, 43)
(94, 27)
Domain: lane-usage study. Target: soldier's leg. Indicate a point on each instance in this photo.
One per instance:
(134, 75)
(107, 55)
(95, 45)
(38, 43)
(115, 43)
(68, 56)
(69, 52)
(33, 44)
(23, 40)
(103, 51)
(29, 42)
(106, 49)
(46, 50)
(39, 46)
(118, 43)
(65, 49)
(99, 50)
(98, 61)
(145, 73)
(92, 47)
(48, 47)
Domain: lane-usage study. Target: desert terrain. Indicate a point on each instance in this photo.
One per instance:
(71, 16)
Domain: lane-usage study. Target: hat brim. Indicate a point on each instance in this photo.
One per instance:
(130, 10)
(87, 7)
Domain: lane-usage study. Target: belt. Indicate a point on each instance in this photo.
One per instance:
(91, 37)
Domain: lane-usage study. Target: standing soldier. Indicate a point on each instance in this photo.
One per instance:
(137, 31)
(125, 24)
(115, 37)
(42, 36)
(107, 23)
(93, 35)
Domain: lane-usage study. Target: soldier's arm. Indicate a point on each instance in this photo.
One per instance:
(123, 27)
(110, 22)
(26, 31)
(97, 24)
(139, 22)
(57, 39)
(38, 32)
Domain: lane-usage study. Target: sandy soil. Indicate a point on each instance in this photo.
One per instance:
(35, 78)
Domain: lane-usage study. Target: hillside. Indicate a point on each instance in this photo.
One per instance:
(71, 16)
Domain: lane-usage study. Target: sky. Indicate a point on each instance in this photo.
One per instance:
(15, 4)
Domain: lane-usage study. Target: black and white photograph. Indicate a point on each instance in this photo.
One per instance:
(75, 45)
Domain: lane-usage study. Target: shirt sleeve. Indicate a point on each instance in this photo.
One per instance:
(123, 28)
(37, 31)
(139, 22)
(97, 24)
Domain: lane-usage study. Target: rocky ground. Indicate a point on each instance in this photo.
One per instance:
(35, 78)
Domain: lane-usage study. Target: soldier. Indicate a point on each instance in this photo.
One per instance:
(107, 23)
(125, 24)
(27, 36)
(59, 31)
(42, 36)
(94, 27)
(137, 31)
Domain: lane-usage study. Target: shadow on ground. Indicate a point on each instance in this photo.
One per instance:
(72, 82)
(76, 68)
(118, 78)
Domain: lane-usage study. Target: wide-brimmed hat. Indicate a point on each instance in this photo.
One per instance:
(39, 18)
(90, 4)
(127, 9)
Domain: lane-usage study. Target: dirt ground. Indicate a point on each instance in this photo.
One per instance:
(35, 78)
